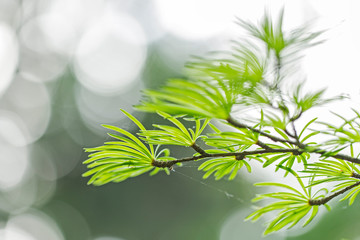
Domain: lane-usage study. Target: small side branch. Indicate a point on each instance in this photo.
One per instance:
(301, 146)
(338, 156)
(355, 175)
(328, 198)
(263, 145)
(199, 149)
(271, 137)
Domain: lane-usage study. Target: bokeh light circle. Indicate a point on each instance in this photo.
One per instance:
(43, 52)
(110, 54)
(15, 233)
(12, 129)
(13, 149)
(31, 102)
(92, 110)
(8, 56)
(33, 225)
(13, 165)
(47, 32)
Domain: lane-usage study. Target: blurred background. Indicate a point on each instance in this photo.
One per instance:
(67, 66)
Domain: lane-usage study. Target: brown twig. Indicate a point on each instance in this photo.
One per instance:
(168, 164)
(324, 200)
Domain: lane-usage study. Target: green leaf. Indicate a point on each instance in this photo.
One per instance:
(333, 170)
(198, 98)
(274, 158)
(352, 195)
(139, 124)
(175, 122)
(134, 139)
(117, 161)
(282, 185)
(225, 140)
(306, 126)
(291, 206)
(179, 135)
(223, 166)
(315, 209)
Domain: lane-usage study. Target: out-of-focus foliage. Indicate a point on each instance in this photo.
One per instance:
(347, 133)
(201, 98)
